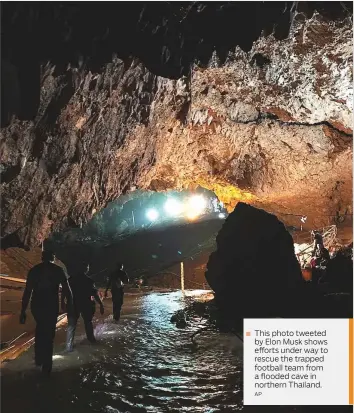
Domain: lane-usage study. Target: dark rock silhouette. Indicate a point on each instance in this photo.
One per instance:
(254, 271)
(340, 270)
(337, 285)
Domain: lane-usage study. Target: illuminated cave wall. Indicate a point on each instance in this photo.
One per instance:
(268, 123)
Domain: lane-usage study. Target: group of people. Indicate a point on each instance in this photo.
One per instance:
(78, 297)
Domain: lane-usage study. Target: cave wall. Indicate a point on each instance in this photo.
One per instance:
(269, 123)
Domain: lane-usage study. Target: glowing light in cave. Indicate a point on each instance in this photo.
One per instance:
(197, 204)
(173, 207)
(192, 215)
(152, 214)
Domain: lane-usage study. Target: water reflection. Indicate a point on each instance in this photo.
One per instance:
(142, 364)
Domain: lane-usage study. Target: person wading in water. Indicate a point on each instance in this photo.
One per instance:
(116, 285)
(42, 287)
(85, 293)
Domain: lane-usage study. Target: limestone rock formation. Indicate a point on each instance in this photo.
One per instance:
(254, 271)
(269, 124)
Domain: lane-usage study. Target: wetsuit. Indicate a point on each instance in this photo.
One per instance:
(42, 284)
(116, 285)
(84, 293)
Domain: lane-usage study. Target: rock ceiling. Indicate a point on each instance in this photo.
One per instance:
(271, 126)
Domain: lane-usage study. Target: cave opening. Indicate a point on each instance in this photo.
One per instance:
(151, 232)
(146, 210)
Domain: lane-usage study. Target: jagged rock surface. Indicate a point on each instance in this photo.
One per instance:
(271, 126)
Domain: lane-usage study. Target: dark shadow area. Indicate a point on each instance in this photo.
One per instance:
(255, 273)
(72, 394)
(167, 36)
(143, 253)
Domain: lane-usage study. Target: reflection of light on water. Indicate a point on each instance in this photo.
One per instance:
(144, 351)
(105, 329)
(158, 308)
(193, 293)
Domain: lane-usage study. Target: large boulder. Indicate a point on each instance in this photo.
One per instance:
(254, 271)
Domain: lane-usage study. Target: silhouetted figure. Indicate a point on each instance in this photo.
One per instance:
(320, 258)
(324, 253)
(116, 284)
(85, 293)
(316, 270)
(317, 243)
(42, 287)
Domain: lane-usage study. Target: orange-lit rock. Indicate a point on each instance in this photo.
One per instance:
(269, 127)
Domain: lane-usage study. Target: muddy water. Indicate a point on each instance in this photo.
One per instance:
(142, 364)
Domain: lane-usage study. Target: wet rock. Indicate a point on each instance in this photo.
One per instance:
(180, 319)
(254, 271)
